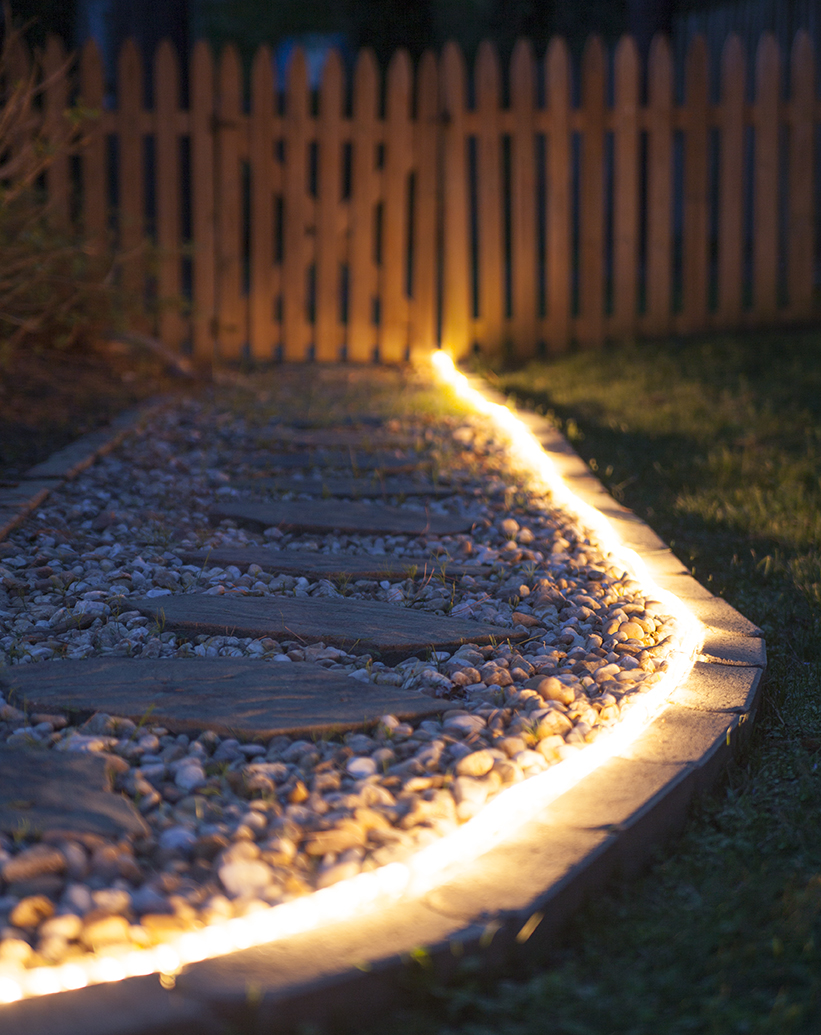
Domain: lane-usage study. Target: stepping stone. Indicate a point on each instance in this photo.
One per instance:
(330, 516)
(338, 438)
(55, 791)
(244, 696)
(344, 622)
(355, 487)
(341, 460)
(328, 565)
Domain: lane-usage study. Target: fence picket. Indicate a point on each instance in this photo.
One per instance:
(489, 197)
(131, 182)
(166, 103)
(426, 178)
(94, 197)
(626, 187)
(394, 331)
(204, 313)
(328, 255)
(454, 217)
(800, 256)
(56, 126)
(659, 186)
(765, 179)
(559, 243)
(362, 269)
(591, 206)
(695, 228)
(731, 184)
(232, 328)
(523, 199)
(263, 272)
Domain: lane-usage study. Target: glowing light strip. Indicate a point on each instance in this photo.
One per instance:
(429, 867)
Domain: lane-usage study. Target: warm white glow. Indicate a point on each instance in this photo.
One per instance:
(499, 819)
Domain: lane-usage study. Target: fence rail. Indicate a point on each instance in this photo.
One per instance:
(303, 226)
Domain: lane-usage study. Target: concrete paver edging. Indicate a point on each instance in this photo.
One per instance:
(508, 904)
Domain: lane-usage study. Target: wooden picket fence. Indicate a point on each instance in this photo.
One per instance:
(303, 227)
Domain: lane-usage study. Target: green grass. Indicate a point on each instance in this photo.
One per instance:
(716, 442)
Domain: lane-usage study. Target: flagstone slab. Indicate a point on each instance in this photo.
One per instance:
(355, 487)
(340, 459)
(242, 696)
(329, 565)
(61, 791)
(331, 515)
(342, 621)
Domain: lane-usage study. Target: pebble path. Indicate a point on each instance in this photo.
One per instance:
(222, 825)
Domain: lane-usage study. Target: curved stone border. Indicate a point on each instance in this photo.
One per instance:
(19, 500)
(505, 906)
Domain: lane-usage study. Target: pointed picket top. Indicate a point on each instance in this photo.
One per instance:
(559, 198)
(659, 186)
(454, 79)
(202, 201)
(800, 257)
(487, 76)
(264, 275)
(557, 74)
(92, 157)
(328, 334)
(593, 72)
(296, 98)
(92, 84)
(230, 79)
(393, 338)
(427, 87)
(487, 90)
(331, 86)
(365, 85)
(167, 149)
(399, 85)
(660, 72)
(425, 137)
(695, 246)
(129, 77)
(591, 206)
(522, 75)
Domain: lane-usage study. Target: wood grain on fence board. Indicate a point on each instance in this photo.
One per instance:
(329, 334)
(695, 229)
(523, 199)
(765, 179)
(232, 326)
(202, 203)
(264, 275)
(659, 186)
(426, 178)
(487, 88)
(559, 245)
(362, 268)
(591, 195)
(393, 338)
(455, 222)
(731, 183)
(94, 190)
(55, 72)
(131, 181)
(167, 191)
(625, 186)
(800, 257)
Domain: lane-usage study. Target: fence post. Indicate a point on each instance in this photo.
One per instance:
(591, 194)
(765, 179)
(487, 81)
(263, 288)
(424, 247)
(202, 203)
(166, 105)
(92, 157)
(731, 183)
(232, 325)
(56, 103)
(398, 159)
(456, 252)
(362, 279)
(659, 186)
(559, 244)
(131, 188)
(329, 182)
(695, 248)
(625, 187)
(523, 199)
(800, 256)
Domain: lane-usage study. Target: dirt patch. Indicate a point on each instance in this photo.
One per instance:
(48, 399)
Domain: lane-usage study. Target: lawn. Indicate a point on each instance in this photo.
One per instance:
(716, 443)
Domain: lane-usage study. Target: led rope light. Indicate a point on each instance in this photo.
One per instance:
(432, 865)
